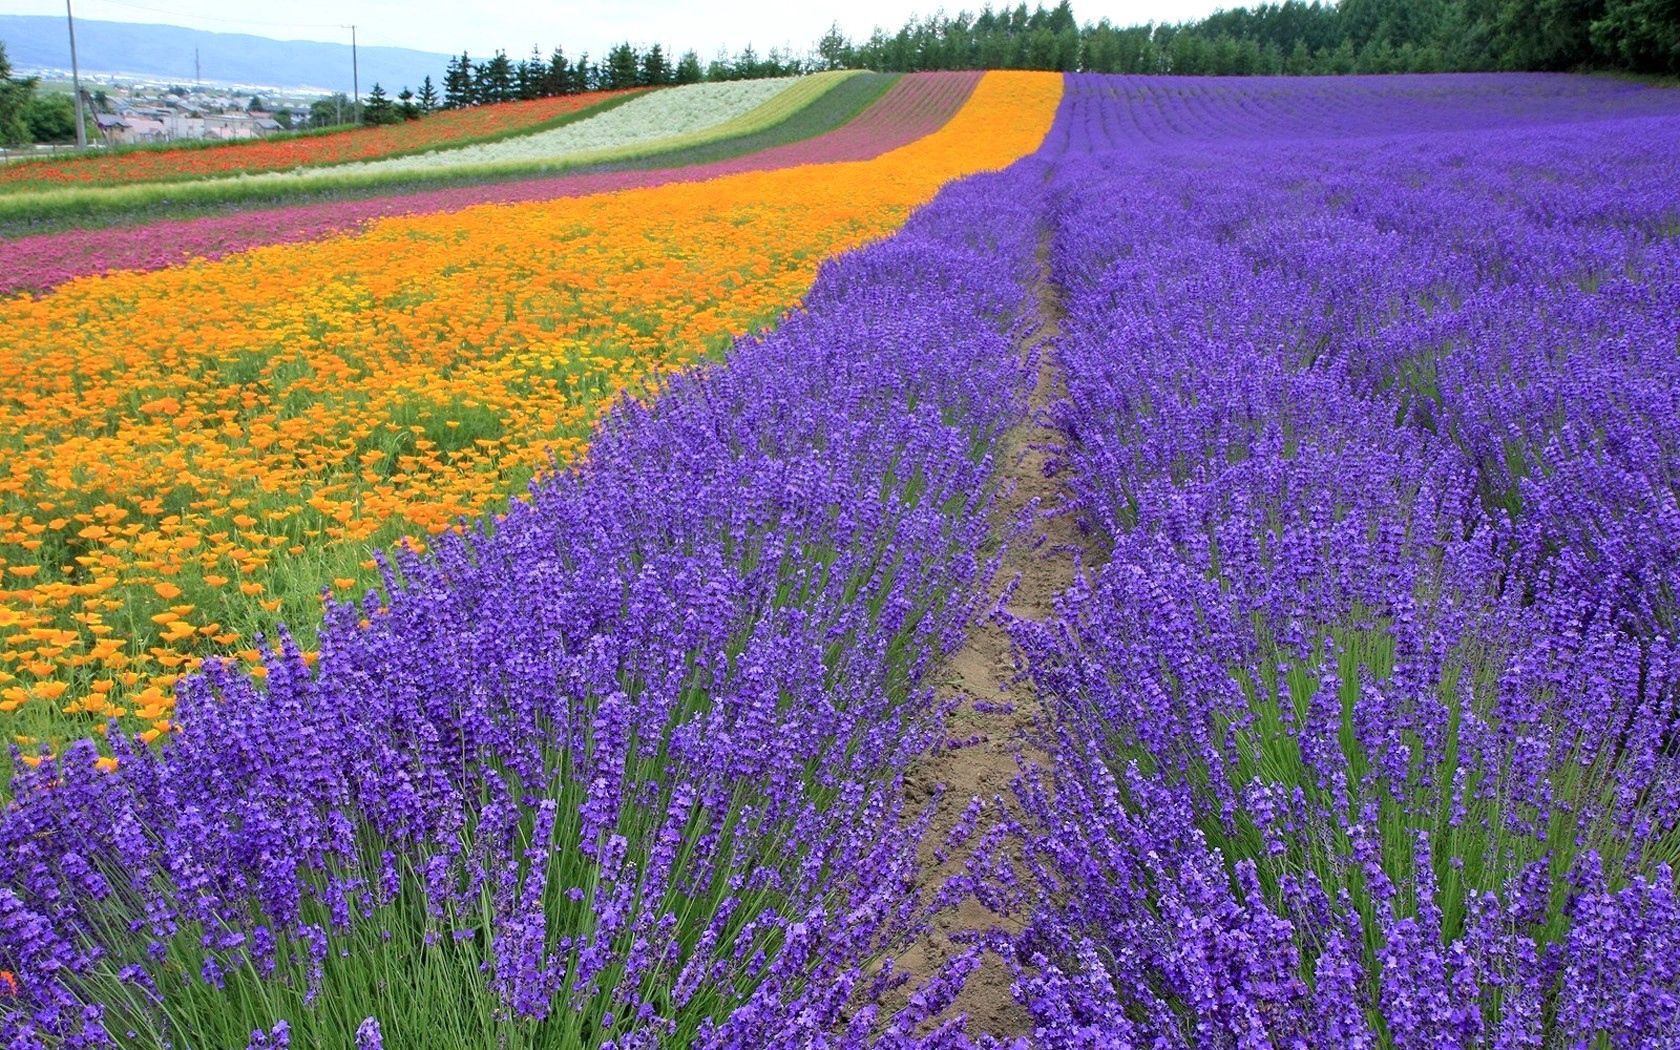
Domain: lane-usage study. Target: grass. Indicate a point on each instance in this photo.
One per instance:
(1479, 844)
(42, 211)
(1657, 80)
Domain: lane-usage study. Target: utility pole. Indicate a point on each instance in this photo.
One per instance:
(76, 79)
(198, 72)
(355, 77)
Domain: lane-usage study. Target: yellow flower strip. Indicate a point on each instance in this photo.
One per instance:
(189, 455)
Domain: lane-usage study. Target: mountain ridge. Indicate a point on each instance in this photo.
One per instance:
(166, 52)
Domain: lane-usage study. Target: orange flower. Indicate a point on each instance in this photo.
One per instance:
(187, 425)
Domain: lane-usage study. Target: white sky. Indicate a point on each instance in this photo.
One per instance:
(450, 25)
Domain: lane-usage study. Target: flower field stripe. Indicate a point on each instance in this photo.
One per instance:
(655, 120)
(1143, 114)
(917, 105)
(624, 767)
(177, 161)
(420, 371)
(616, 130)
(793, 124)
(1365, 734)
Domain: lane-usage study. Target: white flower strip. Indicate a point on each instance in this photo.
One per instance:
(656, 115)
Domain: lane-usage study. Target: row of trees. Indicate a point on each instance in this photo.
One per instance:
(500, 79)
(28, 115)
(1353, 36)
(1291, 37)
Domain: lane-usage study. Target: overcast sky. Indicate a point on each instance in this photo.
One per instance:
(450, 25)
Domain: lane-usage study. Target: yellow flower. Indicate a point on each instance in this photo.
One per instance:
(187, 426)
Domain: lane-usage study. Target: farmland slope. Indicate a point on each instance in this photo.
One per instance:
(913, 107)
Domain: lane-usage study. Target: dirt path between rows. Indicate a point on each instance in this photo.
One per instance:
(1039, 562)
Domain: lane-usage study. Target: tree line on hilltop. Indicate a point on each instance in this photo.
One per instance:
(500, 79)
(1299, 37)
(1292, 37)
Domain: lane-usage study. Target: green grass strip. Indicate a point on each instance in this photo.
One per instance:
(832, 110)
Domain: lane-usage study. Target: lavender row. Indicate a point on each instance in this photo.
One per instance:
(1367, 732)
(623, 769)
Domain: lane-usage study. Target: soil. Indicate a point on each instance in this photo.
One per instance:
(1043, 549)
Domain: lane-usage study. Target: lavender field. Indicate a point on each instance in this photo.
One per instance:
(1365, 731)
(1358, 409)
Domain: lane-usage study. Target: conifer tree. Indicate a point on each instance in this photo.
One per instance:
(688, 69)
(834, 51)
(458, 83)
(557, 78)
(493, 80)
(656, 72)
(378, 108)
(528, 77)
(623, 68)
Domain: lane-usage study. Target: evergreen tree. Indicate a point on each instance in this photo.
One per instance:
(378, 108)
(688, 69)
(1061, 20)
(428, 97)
(622, 69)
(406, 107)
(557, 78)
(493, 80)
(745, 65)
(458, 83)
(656, 72)
(529, 76)
(834, 51)
(584, 77)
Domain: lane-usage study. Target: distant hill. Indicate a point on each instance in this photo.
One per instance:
(166, 52)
